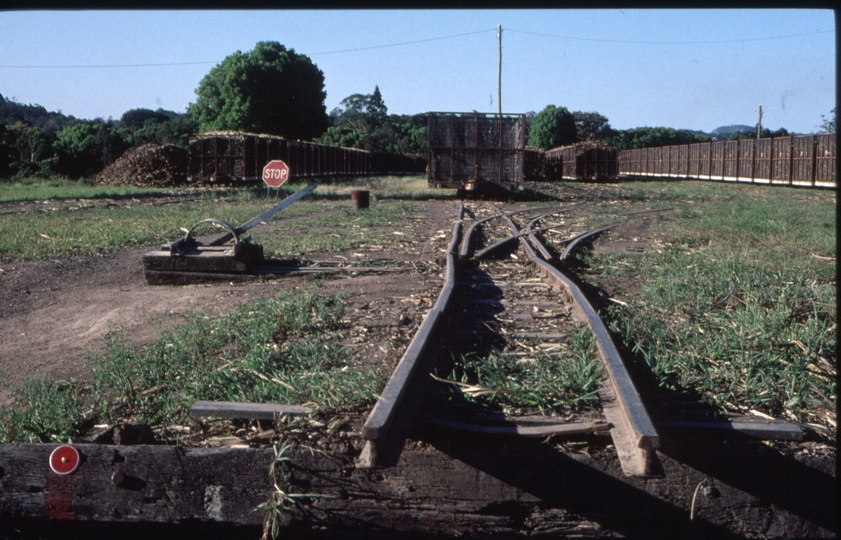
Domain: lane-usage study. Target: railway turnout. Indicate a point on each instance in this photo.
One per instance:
(561, 301)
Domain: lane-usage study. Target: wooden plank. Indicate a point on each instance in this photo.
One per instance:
(249, 411)
(515, 430)
(759, 428)
(167, 277)
(208, 261)
(156, 483)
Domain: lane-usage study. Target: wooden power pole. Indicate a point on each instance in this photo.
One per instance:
(499, 72)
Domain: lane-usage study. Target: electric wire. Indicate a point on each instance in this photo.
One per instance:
(632, 42)
(214, 62)
(403, 43)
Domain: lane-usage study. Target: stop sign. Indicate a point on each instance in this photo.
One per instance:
(275, 173)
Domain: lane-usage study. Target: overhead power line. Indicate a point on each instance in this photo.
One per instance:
(403, 43)
(216, 62)
(710, 42)
(110, 65)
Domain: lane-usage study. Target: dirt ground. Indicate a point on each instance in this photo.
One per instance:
(55, 314)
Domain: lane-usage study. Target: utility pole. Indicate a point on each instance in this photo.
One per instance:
(759, 124)
(499, 76)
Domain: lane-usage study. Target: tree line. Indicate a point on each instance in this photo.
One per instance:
(273, 90)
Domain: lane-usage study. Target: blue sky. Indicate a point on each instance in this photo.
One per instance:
(692, 69)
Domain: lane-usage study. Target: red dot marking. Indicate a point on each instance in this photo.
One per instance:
(64, 459)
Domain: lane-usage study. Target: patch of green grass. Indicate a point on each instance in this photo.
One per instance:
(738, 301)
(52, 232)
(44, 411)
(365, 230)
(43, 234)
(280, 350)
(547, 380)
(33, 189)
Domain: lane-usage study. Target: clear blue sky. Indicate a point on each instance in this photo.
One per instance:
(692, 69)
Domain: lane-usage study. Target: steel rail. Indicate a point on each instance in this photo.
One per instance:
(574, 241)
(633, 432)
(535, 241)
(468, 235)
(391, 408)
(583, 236)
(497, 245)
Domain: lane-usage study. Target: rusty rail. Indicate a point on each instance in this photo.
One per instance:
(381, 431)
(633, 431)
(468, 235)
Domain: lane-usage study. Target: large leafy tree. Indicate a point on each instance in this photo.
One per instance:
(270, 89)
(591, 126)
(552, 127)
(84, 148)
(30, 151)
(135, 118)
(141, 126)
(363, 112)
(362, 121)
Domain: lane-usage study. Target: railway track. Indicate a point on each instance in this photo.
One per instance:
(509, 287)
(515, 301)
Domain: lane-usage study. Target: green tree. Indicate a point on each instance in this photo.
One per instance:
(8, 152)
(32, 151)
(764, 133)
(85, 148)
(377, 111)
(344, 136)
(829, 123)
(136, 118)
(644, 137)
(591, 126)
(362, 121)
(552, 127)
(270, 89)
(364, 112)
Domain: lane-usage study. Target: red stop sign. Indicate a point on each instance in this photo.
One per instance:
(275, 173)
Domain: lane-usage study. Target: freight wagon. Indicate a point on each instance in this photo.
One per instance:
(801, 160)
(226, 156)
(582, 161)
(476, 150)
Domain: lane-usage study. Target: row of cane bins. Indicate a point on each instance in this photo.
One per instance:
(359, 199)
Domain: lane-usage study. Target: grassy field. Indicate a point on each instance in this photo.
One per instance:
(737, 299)
(734, 306)
(103, 219)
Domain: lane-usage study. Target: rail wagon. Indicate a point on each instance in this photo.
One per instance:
(800, 160)
(239, 156)
(475, 150)
(582, 161)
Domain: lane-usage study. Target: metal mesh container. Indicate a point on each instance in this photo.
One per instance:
(467, 150)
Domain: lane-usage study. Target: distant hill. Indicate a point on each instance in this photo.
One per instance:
(723, 132)
(11, 111)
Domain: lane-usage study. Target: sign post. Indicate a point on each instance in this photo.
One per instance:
(275, 173)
